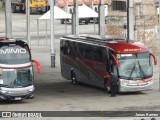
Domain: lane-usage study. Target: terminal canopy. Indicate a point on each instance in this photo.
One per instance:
(58, 14)
(83, 12)
(86, 12)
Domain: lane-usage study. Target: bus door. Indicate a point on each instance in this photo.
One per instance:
(112, 63)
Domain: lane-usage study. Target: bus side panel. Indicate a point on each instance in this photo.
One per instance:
(82, 71)
(92, 70)
(96, 72)
(65, 68)
(69, 61)
(68, 65)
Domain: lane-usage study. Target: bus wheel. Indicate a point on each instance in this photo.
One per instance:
(73, 77)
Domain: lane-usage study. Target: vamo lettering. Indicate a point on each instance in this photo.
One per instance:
(12, 51)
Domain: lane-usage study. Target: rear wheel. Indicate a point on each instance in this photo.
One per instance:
(73, 78)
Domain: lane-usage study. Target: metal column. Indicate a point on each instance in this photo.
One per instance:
(28, 22)
(52, 34)
(67, 6)
(159, 41)
(101, 18)
(75, 19)
(8, 18)
(130, 20)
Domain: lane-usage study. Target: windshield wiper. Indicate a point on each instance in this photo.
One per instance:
(141, 69)
(132, 71)
(1, 85)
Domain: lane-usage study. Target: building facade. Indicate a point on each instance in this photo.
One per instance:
(146, 21)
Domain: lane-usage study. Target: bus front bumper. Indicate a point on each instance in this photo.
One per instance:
(17, 93)
(136, 88)
(19, 97)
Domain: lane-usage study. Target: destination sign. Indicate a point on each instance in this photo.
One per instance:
(13, 51)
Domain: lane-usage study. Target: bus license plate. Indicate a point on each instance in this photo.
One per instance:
(138, 89)
(18, 98)
(133, 83)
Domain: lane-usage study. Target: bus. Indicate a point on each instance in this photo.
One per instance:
(16, 70)
(90, 59)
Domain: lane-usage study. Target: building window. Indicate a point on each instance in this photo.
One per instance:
(119, 5)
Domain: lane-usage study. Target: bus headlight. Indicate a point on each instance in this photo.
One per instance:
(31, 90)
(3, 91)
(123, 82)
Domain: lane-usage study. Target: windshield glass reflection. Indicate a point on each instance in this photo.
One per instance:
(135, 66)
(10, 78)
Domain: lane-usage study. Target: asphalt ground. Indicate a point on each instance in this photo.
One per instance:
(54, 93)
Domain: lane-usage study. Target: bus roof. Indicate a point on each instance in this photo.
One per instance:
(6, 41)
(117, 44)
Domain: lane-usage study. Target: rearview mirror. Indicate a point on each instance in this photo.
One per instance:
(37, 65)
(154, 58)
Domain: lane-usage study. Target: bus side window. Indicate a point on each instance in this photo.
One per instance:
(81, 48)
(64, 47)
(104, 56)
(73, 49)
(93, 53)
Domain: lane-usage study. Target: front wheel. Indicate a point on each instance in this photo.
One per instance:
(73, 78)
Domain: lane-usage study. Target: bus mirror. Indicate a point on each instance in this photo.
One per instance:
(37, 65)
(154, 58)
(116, 60)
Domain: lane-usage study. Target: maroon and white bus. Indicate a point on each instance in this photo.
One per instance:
(16, 70)
(90, 59)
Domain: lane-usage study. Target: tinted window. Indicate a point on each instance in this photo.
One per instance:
(91, 52)
(64, 46)
(69, 48)
(14, 55)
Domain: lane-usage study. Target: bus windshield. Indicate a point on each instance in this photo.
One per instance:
(13, 78)
(135, 66)
(15, 54)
